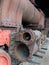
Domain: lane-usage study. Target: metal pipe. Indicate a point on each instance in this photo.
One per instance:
(4, 58)
(32, 15)
(27, 36)
(14, 11)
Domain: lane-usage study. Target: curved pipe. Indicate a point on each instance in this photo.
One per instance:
(4, 58)
(32, 15)
(13, 11)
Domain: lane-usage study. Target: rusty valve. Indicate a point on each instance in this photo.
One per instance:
(27, 42)
(27, 45)
(22, 47)
(27, 36)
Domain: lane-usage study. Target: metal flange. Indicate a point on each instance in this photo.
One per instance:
(27, 36)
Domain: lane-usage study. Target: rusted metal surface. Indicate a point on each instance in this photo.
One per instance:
(26, 36)
(38, 38)
(22, 43)
(23, 50)
(47, 26)
(5, 35)
(47, 22)
(14, 11)
(44, 35)
(21, 56)
(4, 58)
(41, 57)
(23, 46)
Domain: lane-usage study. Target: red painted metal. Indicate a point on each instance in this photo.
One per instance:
(4, 58)
(5, 37)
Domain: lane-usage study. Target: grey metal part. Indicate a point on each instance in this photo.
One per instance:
(41, 57)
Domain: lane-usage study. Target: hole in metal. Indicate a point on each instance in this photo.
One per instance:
(23, 50)
(26, 36)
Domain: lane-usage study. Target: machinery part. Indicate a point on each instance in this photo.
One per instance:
(36, 45)
(13, 49)
(12, 16)
(37, 33)
(22, 51)
(41, 57)
(5, 37)
(4, 58)
(38, 38)
(31, 18)
(44, 35)
(26, 36)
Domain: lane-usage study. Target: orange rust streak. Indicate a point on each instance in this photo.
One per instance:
(10, 4)
(17, 16)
